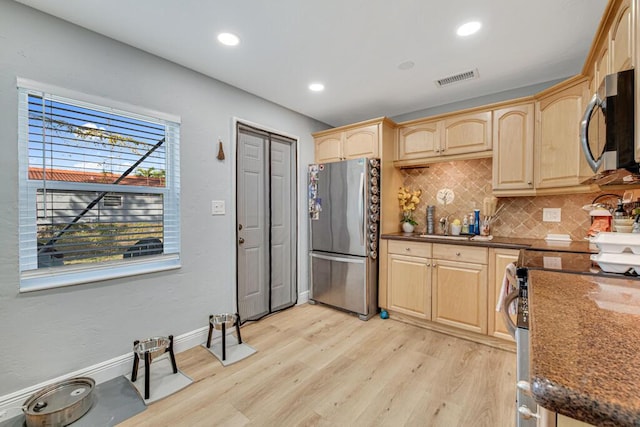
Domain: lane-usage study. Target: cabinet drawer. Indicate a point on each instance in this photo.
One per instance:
(410, 248)
(460, 253)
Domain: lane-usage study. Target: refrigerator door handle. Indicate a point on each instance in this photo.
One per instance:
(337, 258)
(361, 209)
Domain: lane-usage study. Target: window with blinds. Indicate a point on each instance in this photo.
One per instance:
(99, 191)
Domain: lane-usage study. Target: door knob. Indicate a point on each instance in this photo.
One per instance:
(241, 240)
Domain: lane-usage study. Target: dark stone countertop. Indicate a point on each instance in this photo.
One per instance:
(585, 346)
(498, 242)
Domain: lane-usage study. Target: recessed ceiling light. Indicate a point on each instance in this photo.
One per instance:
(316, 87)
(406, 65)
(228, 39)
(468, 28)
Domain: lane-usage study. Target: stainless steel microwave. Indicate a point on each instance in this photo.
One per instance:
(607, 128)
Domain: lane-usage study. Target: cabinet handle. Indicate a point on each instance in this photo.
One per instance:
(458, 254)
(529, 183)
(428, 265)
(434, 265)
(407, 249)
(524, 386)
(527, 413)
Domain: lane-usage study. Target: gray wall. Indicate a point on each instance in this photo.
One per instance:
(46, 334)
(476, 102)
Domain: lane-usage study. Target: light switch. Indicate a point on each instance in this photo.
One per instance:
(217, 207)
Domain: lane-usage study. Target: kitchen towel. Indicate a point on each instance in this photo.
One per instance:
(509, 284)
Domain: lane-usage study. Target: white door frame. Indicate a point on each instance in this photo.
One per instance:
(233, 211)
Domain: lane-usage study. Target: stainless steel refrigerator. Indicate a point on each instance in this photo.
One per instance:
(344, 212)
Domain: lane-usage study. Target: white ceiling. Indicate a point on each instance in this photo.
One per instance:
(353, 46)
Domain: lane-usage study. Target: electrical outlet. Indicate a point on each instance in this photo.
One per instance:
(551, 214)
(217, 207)
(552, 262)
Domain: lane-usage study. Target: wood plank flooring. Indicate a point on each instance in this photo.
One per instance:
(317, 366)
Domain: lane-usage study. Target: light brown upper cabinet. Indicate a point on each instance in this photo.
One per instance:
(348, 144)
(328, 148)
(452, 137)
(420, 140)
(371, 138)
(558, 159)
(621, 44)
(513, 147)
(362, 142)
(466, 133)
(601, 67)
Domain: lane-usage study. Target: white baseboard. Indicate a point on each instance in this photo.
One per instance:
(303, 297)
(11, 404)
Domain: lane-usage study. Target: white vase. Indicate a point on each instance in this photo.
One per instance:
(407, 227)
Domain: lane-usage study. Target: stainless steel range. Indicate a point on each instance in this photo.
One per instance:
(528, 414)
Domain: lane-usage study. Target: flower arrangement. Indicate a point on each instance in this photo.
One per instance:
(408, 202)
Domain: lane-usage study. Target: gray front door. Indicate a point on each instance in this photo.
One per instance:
(266, 222)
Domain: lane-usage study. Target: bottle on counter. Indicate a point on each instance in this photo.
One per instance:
(621, 220)
(476, 220)
(431, 212)
(472, 224)
(465, 225)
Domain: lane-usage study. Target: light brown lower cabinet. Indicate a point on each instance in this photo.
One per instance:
(414, 297)
(409, 278)
(459, 293)
(459, 289)
(446, 287)
(563, 421)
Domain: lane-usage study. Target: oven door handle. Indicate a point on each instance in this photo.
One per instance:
(511, 326)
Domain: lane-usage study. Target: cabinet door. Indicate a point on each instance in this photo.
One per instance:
(621, 35)
(570, 422)
(409, 285)
(468, 133)
(459, 294)
(419, 140)
(498, 261)
(329, 148)
(601, 67)
(361, 142)
(513, 147)
(559, 161)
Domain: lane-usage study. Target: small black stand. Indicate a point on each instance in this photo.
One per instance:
(236, 323)
(147, 365)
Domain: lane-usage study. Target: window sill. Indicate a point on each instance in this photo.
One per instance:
(50, 278)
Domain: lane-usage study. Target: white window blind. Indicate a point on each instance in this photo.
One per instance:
(99, 192)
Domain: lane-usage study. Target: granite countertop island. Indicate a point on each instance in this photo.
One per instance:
(585, 346)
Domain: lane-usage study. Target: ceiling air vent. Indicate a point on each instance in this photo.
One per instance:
(467, 75)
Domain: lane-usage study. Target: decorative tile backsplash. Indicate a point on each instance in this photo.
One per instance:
(470, 181)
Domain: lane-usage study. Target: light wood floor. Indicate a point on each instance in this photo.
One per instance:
(316, 366)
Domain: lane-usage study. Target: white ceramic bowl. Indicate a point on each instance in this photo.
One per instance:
(624, 228)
